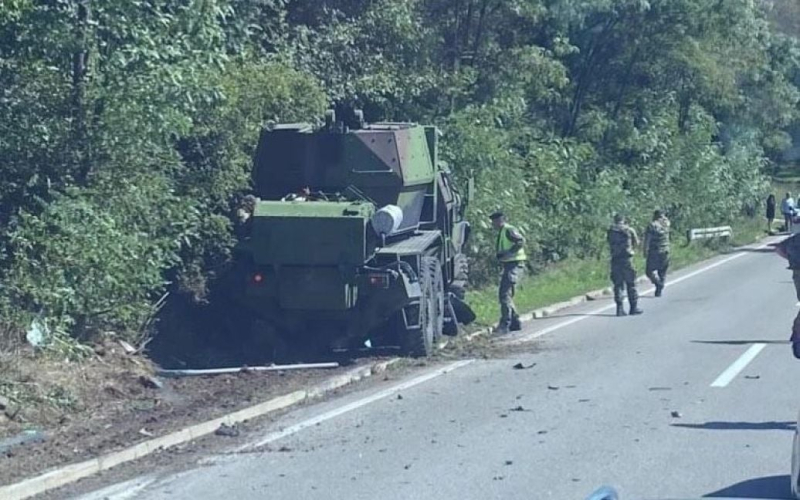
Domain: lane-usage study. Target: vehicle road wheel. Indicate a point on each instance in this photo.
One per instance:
(438, 299)
(420, 341)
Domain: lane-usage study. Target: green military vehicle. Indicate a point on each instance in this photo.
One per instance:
(355, 236)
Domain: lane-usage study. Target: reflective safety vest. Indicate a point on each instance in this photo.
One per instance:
(504, 244)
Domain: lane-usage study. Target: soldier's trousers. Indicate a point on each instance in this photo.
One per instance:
(623, 277)
(512, 273)
(657, 266)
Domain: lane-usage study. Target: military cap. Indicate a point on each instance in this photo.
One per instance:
(497, 215)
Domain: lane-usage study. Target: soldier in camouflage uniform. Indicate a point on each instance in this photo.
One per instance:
(656, 249)
(622, 239)
(510, 252)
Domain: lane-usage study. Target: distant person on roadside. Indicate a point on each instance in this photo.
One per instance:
(510, 251)
(770, 212)
(787, 209)
(656, 250)
(622, 240)
(789, 249)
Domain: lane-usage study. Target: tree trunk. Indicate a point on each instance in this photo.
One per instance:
(80, 71)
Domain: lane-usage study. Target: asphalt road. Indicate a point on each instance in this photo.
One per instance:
(691, 399)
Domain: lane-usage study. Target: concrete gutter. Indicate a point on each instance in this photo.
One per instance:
(71, 473)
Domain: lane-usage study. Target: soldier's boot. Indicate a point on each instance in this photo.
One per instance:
(659, 290)
(635, 309)
(621, 310)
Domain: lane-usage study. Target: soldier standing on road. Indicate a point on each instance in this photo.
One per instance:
(510, 251)
(656, 249)
(787, 209)
(622, 239)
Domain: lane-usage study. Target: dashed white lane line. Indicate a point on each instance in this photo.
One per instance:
(558, 326)
(740, 364)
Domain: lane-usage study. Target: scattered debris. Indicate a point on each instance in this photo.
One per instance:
(509, 462)
(498, 478)
(584, 400)
(407, 466)
(570, 386)
(542, 432)
(752, 377)
(151, 382)
(518, 408)
(284, 449)
(553, 387)
(676, 414)
(399, 396)
(240, 369)
(503, 415)
(227, 431)
(145, 432)
(520, 366)
(37, 333)
(129, 349)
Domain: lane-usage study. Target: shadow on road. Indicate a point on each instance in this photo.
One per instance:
(768, 249)
(599, 315)
(770, 487)
(740, 426)
(740, 342)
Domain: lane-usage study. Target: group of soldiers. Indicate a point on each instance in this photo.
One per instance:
(622, 241)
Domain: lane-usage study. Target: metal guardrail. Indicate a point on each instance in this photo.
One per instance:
(709, 232)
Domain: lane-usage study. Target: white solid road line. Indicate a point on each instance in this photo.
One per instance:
(311, 422)
(550, 329)
(740, 364)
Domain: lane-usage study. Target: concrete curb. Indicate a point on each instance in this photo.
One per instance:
(65, 475)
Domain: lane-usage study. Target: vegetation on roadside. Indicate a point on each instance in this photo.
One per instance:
(126, 129)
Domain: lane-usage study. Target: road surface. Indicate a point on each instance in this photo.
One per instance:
(694, 398)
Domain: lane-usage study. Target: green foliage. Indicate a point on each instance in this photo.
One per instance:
(127, 129)
(94, 258)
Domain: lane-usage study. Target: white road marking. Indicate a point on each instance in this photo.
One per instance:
(740, 364)
(121, 491)
(558, 326)
(311, 422)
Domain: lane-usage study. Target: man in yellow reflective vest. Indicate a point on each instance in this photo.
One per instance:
(510, 251)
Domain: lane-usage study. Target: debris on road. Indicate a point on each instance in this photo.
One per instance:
(227, 430)
(509, 462)
(659, 389)
(518, 408)
(145, 432)
(553, 387)
(676, 414)
(399, 396)
(129, 349)
(151, 382)
(520, 366)
(245, 369)
(752, 377)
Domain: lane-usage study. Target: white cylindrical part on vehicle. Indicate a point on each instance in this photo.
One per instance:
(387, 220)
